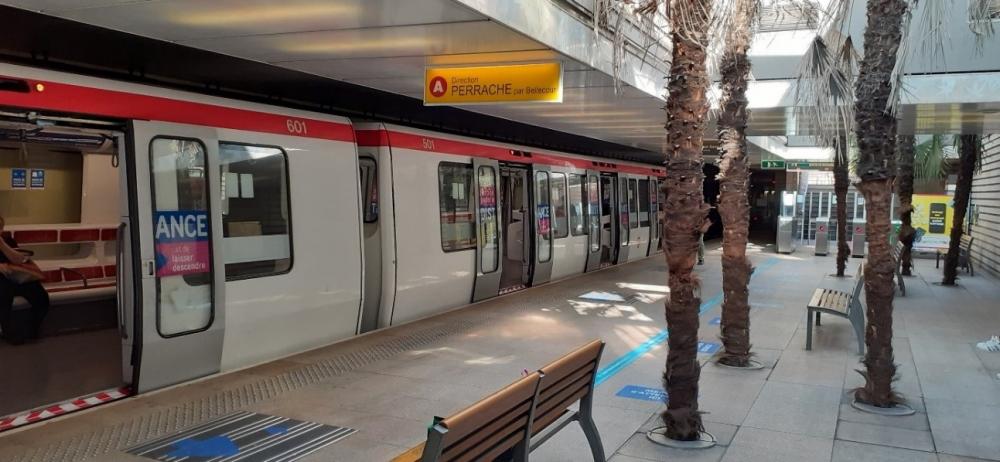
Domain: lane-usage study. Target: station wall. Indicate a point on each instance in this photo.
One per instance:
(985, 209)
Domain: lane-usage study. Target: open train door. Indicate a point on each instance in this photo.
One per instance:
(489, 266)
(541, 203)
(181, 315)
(623, 227)
(592, 194)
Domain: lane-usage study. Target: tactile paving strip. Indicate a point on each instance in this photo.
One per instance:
(244, 436)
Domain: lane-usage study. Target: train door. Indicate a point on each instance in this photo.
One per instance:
(609, 220)
(368, 183)
(515, 223)
(592, 194)
(624, 200)
(489, 267)
(181, 316)
(652, 216)
(62, 336)
(541, 205)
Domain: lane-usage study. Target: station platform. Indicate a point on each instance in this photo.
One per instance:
(383, 388)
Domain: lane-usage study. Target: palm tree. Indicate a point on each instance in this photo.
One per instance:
(841, 182)
(875, 128)
(904, 189)
(685, 208)
(969, 153)
(734, 177)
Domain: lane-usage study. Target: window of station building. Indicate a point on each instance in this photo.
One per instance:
(368, 176)
(576, 221)
(560, 225)
(455, 198)
(633, 199)
(644, 201)
(256, 223)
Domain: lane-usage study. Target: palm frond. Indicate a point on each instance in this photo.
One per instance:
(903, 53)
(929, 162)
(981, 21)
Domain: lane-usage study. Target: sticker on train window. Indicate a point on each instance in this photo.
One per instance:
(181, 243)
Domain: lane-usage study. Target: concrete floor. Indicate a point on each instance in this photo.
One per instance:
(796, 409)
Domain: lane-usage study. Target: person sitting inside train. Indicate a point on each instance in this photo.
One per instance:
(32, 291)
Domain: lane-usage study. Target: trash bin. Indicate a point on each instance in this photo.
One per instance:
(786, 234)
(858, 240)
(822, 236)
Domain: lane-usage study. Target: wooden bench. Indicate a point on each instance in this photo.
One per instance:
(896, 252)
(512, 422)
(842, 304)
(964, 254)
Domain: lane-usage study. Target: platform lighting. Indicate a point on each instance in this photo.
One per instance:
(366, 45)
(259, 13)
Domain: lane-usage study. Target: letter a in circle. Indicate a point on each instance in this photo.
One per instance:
(438, 86)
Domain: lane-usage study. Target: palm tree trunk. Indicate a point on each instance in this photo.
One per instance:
(686, 213)
(734, 177)
(840, 185)
(904, 188)
(876, 134)
(968, 152)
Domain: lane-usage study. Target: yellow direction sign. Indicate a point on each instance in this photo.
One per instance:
(493, 84)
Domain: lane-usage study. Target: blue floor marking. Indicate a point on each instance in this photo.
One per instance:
(628, 358)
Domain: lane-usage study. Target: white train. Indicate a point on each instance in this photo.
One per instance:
(211, 234)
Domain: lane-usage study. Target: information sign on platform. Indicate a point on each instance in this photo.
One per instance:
(643, 393)
(18, 178)
(539, 82)
(37, 178)
(772, 164)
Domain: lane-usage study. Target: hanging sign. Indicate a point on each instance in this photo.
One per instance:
(932, 219)
(772, 164)
(181, 242)
(18, 178)
(37, 178)
(539, 82)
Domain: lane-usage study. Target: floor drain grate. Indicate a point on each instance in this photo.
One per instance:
(244, 436)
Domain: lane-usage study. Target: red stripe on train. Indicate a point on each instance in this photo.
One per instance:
(425, 143)
(110, 103)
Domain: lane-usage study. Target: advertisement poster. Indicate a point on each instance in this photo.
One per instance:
(932, 217)
(544, 220)
(181, 243)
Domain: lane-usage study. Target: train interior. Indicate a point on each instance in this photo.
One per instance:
(516, 225)
(61, 202)
(609, 228)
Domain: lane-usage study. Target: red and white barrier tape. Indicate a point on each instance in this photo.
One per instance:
(48, 412)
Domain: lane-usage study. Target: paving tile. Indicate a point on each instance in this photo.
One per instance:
(758, 445)
(951, 458)
(640, 446)
(965, 429)
(847, 451)
(795, 408)
(919, 440)
(727, 398)
(810, 368)
(615, 426)
(623, 458)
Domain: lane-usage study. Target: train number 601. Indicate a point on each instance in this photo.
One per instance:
(296, 127)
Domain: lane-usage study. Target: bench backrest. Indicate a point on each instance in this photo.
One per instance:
(486, 429)
(966, 243)
(566, 381)
(859, 283)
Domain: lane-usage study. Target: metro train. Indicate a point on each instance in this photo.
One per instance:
(184, 235)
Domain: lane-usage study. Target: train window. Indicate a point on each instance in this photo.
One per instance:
(489, 255)
(368, 175)
(255, 211)
(644, 201)
(576, 205)
(633, 204)
(458, 227)
(560, 225)
(543, 216)
(182, 224)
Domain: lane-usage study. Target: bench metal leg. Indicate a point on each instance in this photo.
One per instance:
(590, 429)
(859, 333)
(817, 318)
(809, 329)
